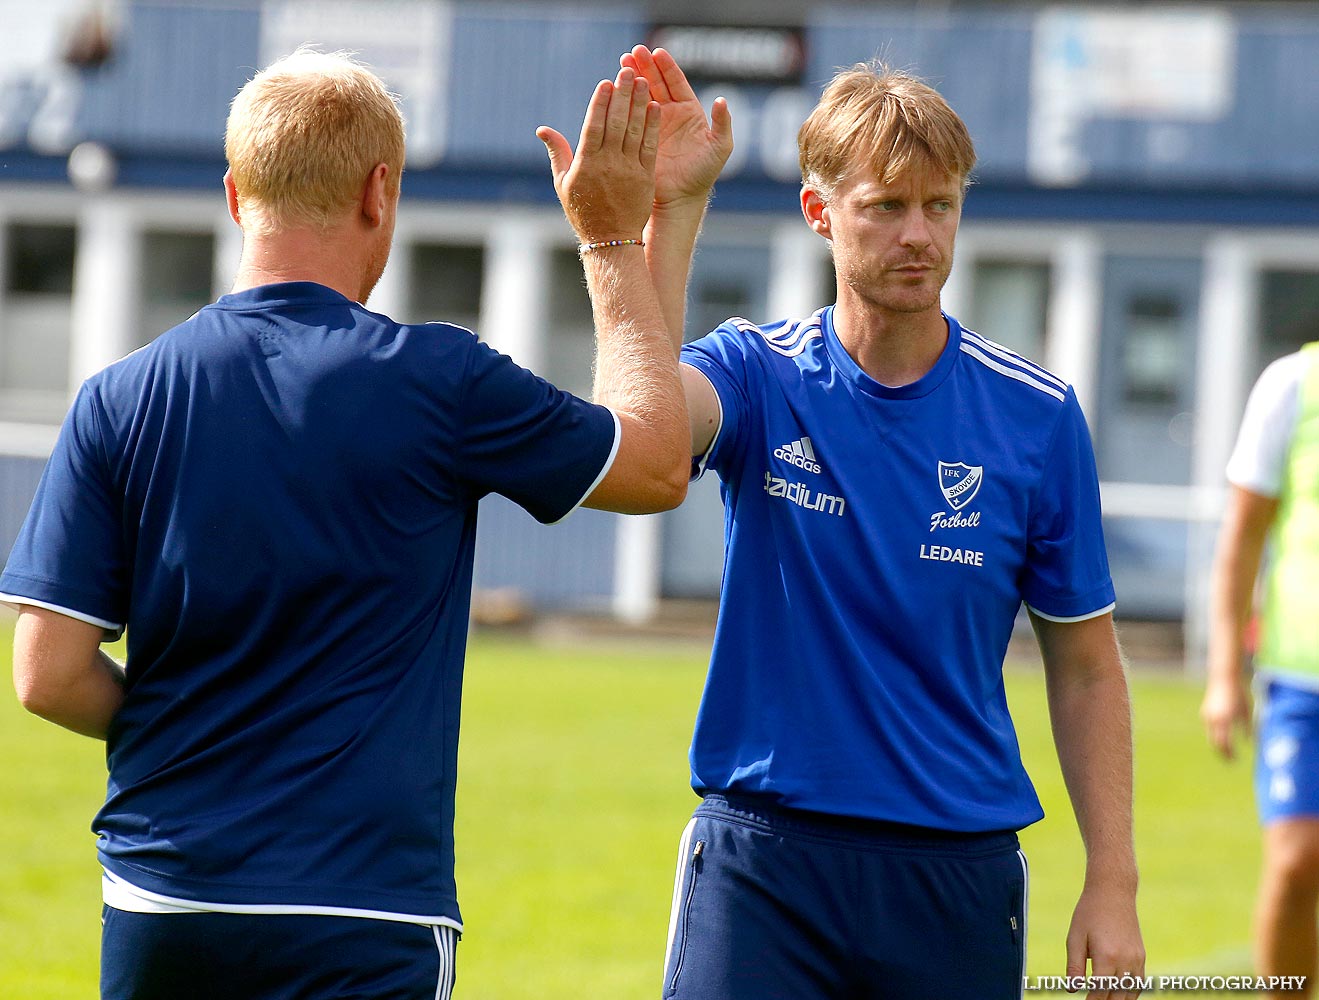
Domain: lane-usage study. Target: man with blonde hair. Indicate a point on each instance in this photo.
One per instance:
(278, 500)
(896, 487)
(285, 143)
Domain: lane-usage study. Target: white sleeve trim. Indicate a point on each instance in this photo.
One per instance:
(1072, 618)
(115, 629)
(704, 457)
(1259, 458)
(123, 895)
(604, 470)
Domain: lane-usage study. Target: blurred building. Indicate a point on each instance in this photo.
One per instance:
(1145, 219)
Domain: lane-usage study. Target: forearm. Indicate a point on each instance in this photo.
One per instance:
(1090, 709)
(61, 673)
(670, 242)
(82, 700)
(1226, 707)
(1091, 715)
(1231, 601)
(1232, 584)
(636, 369)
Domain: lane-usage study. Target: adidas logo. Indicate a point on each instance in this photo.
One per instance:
(798, 453)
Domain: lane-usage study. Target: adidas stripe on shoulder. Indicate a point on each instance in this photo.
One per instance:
(788, 338)
(1014, 366)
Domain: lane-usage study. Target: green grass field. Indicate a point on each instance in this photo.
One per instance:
(571, 799)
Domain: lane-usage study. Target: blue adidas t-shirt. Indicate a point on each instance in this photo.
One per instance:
(278, 498)
(879, 543)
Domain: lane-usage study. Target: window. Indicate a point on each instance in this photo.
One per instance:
(40, 260)
(445, 280)
(1289, 314)
(178, 271)
(1010, 304)
(1152, 355)
(570, 333)
(730, 278)
(36, 321)
(715, 300)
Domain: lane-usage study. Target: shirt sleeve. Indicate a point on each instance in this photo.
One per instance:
(1259, 458)
(70, 555)
(721, 357)
(543, 448)
(1066, 576)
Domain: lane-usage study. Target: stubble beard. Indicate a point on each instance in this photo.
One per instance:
(891, 291)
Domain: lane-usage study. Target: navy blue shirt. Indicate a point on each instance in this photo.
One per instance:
(278, 498)
(879, 543)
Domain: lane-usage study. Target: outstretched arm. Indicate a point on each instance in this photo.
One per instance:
(607, 189)
(1226, 707)
(1091, 716)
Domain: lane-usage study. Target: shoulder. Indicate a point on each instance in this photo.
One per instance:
(139, 365)
(193, 338)
(739, 337)
(443, 339)
(435, 355)
(423, 336)
(1010, 375)
(1285, 374)
(788, 338)
(1269, 423)
(1275, 400)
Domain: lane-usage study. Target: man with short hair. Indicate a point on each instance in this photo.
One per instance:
(896, 486)
(278, 500)
(1273, 502)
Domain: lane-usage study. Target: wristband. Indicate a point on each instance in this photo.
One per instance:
(587, 247)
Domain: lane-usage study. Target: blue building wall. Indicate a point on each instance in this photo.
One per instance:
(160, 101)
(566, 565)
(18, 483)
(166, 89)
(515, 68)
(978, 59)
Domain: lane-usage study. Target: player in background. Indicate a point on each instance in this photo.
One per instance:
(278, 500)
(895, 487)
(1273, 497)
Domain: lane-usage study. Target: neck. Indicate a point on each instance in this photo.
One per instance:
(323, 256)
(893, 348)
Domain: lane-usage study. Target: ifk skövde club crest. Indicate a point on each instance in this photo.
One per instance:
(960, 482)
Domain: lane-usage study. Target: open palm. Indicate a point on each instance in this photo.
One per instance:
(692, 148)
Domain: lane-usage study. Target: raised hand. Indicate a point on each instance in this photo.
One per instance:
(692, 148)
(608, 187)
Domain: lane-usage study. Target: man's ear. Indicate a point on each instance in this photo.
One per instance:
(816, 212)
(231, 197)
(375, 195)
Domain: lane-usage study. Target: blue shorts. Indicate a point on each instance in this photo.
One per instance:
(774, 904)
(1287, 752)
(225, 956)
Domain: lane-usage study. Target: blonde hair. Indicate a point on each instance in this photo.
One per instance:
(304, 134)
(892, 118)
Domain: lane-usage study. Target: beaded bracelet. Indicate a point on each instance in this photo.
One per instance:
(585, 247)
